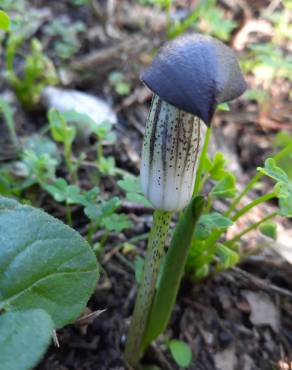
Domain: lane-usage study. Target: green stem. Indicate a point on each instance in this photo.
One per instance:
(69, 163)
(90, 232)
(69, 214)
(157, 237)
(215, 235)
(172, 272)
(250, 228)
(255, 179)
(99, 152)
(252, 204)
(198, 182)
(168, 17)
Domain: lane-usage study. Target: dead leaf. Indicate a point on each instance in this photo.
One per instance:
(225, 360)
(263, 309)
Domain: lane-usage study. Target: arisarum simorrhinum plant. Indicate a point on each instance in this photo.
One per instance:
(189, 77)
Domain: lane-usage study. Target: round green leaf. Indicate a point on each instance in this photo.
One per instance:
(269, 229)
(181, 352)
(43, 264)
(24, 337)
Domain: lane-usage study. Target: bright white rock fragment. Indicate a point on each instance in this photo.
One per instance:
(171, 149)
(64, 100)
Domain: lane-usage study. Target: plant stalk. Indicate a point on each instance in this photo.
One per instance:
(172, 272)
(250, 228)
(155, 248)
(255, 179)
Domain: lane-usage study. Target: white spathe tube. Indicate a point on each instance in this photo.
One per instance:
(171, 149)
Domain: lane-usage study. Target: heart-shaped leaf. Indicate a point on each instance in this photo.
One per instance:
(24, 337)
(43, 264)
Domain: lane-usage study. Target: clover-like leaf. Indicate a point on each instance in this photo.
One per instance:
(24, 337)
(283, 187)
(131, 185)
(273, 171)
(97, 212)
(208, 222)
(43, 264)
(217, 170)
(227, 257)
(286, 206)
(116, 222)
(225, 188)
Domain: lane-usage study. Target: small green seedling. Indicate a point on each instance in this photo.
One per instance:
(65, 34)
(181, 352)
(117, 80)
(38, 70)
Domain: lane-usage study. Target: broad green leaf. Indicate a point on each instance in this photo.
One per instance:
(225, 188)
(269, 229)
(24, 338)
(4, 21)
(181, 352)
(43, 264)
(208, 222)
(117, 222)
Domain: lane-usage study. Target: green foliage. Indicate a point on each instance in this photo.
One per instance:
(269, 229)
(48, 272)
(225, 188)
(24, 338)
(44, 259)
(65, 34)
(206, 17)
(80, 2)
(38, 70)
(282, 140)
(4, 21)
(181, 352)
(61, 131)
(117, 80)
(103, 214)
(7, 112)
(283, 187)
(117, 222)
(209, 222)
(131, 186)
(227, 257)
(216, 24)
